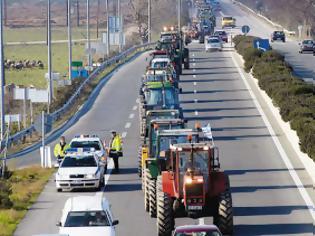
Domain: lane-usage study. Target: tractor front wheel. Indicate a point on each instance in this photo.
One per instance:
(140, 162)
(146, 191)
(165, 216)
(224, 217)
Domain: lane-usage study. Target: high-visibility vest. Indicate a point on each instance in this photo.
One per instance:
(116, 143)
(60, 150)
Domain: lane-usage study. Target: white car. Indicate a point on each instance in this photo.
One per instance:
(92, 143)
(213, 44)
(80, 170)
(87, 216)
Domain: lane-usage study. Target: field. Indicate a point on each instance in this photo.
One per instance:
(17, 195)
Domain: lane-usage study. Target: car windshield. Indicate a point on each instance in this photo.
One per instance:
(307, 42)
(213, 40)
(220, 33)
(228, 18)
(87, 219)
(84, 161)
(86, 144)
(203, 233)
(279, 33)
(160, 97)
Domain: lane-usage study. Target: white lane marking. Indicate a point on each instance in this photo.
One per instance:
(194, 64)
(195, 100)
(134, 108)
(131, 116)
(201, 221)
(195, 91)
(193, 54)
(128, 125)
(221, 13)
(124, 134)
(196, 113)
(194, 59)
(137, 100)
(110, 167)
(283, 155)
(195, 83)
(194, 70)
(194, 76)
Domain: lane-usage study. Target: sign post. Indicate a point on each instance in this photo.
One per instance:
(245, 29)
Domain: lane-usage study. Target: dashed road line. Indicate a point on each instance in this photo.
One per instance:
(194, 76)
(195, 100)
(124, 134)
(196, 113)
(194, 70)
(128, 125)
(195, 83)
(131, 116)
(134, 108)
(194, 64)
(195, 91)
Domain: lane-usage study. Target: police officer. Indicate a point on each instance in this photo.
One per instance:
(60, 149)
(115, 147)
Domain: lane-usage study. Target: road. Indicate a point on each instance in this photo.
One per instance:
(303, 64)
(267, 196)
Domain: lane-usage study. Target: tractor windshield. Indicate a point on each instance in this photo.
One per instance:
(166, 141)
(156, 78)
(161, 97)
(200, 161)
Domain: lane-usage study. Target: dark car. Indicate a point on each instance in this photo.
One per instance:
(188, 230)
(306, 46)
(222, 35)
(278, 35)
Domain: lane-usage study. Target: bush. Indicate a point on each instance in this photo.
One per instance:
(294, 97)
(5, 191)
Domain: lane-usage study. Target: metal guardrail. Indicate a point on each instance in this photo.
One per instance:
(56, 115)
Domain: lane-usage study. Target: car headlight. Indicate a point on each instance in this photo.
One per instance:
(90, 176)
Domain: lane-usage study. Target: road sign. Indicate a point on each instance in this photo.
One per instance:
(245, 29)
(262, 44)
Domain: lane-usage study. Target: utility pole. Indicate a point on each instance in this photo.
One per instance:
(149, 21)
(50, 84)
(88, 32)
(179, 14)
(67, 13)
(119, 25)
(2, 75)
(107, 29)
(78, 13)
(69, 39)
(5, 12)
(97, 18)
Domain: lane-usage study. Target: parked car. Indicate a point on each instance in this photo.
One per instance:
(278, 35)
(213, 44)
(87, 215)
(189, 230)
(306, 46)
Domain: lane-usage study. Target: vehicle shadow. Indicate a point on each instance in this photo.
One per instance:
(219, 109)
(212, 73)
(215, 91)
(206, 80)
(274, 229)
(220, 117)
(250, 189)
(216, 100)
(243, 172)
(126, 187)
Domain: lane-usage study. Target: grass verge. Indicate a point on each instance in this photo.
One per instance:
(18, 193)
(294, 97)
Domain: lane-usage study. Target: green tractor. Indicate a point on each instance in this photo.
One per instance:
(154, 160)
(149, 138)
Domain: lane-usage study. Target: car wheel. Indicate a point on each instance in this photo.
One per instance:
(105, 169)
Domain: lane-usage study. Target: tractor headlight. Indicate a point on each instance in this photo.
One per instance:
(188, 180)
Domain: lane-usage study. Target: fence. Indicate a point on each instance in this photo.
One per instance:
(21, 136)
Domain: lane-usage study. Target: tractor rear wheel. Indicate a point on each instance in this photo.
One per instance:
(224, 217)
(165, 216)
(140, 162)
(146, 191)
(152, 194)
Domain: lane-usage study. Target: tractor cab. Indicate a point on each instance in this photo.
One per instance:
(159, 95)
(167, 74)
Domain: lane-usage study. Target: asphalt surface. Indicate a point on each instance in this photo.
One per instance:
(303, 64)
(266, 199)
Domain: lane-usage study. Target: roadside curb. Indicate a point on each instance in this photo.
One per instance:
(290, 134)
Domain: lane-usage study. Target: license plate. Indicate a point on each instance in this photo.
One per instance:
(194, 207)
(76, 181)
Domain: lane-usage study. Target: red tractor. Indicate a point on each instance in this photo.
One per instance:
(193, 186)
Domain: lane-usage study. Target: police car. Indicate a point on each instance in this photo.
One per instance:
(80, 169)
(92, 142)
(87, 215)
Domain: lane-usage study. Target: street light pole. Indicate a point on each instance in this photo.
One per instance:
(2, 75)
(50, 85)
(88, 32)
(119, 25)
(179, 13)
(149, 21)
(69, 40)
(107, 29)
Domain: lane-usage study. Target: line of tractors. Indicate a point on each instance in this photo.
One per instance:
(179, 166)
